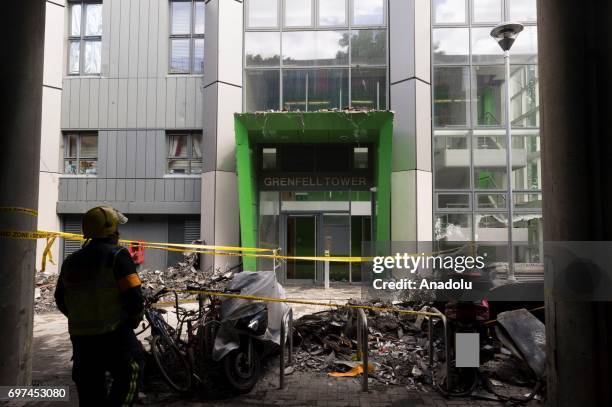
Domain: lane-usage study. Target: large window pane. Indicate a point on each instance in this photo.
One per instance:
(369, 88)
(262, 48)
(196, 145)
(307, 48)
(298, 13)
(199, 18)
(332, 13)
(451, 45)
(262, 90)
(489, 103)
(369, 47)
(198, 55)
(491, 201)
(294, 89)
(327, 89)
(453, 201)
(262, 13)
(92, 57)
(526, 162)
(490, 171)
(89, 146)
(179, 56)
(527, 201)
(523, 10)
(70, 149)
(449, 11)
(75, 20)
(487, 11)
(451, 96)
(525, 49)
(74, 57)
(485, 49)
(452, 162)
(527, 229)
(368, 12)
(181, 17)
(491, 227)
(524, 96)
(178, 146)
(453, 227)
(93, 19)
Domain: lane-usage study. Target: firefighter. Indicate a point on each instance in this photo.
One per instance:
(98, 290)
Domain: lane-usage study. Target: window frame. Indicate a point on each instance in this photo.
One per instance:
(190, 158)
(192, 36)
(82, 38)
(78, 157)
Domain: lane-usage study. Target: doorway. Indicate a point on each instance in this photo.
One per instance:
(301, 240)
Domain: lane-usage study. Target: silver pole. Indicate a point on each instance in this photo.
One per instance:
(510, 202)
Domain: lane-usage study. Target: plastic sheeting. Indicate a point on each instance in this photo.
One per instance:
(259, 283)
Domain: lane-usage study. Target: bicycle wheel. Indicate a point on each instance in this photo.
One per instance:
(171, 363)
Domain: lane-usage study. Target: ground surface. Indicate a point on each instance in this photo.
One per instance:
(52, 352)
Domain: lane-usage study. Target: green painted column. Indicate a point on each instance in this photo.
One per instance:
(247, 193)
(383, 175)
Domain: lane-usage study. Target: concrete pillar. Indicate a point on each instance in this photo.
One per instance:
(222, 98)
(410, 99)
(575, 62)
(23, 28)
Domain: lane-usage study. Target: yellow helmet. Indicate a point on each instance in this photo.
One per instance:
(101, 222)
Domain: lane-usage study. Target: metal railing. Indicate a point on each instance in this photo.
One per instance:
(286, 331)
(362, 345)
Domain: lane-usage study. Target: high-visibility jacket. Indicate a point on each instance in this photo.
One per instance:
(91, 291)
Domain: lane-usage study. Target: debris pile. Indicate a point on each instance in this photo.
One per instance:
(325, 342)
(44, 288)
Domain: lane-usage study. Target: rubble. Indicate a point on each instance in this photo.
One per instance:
(325, 342)
(44, 288)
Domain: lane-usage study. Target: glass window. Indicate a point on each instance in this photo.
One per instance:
(368, 47)
(526, 162)
(524, 96)
(298, 13)
(451, 96)
(268, 158)
(527, 201)
(369, 88)
(179, 51)
(332, 13)
(262, 88)
(453, 227)
(485, 50)
(449, 11)
(453, 201)
(487, 11)
(368, 12)
(491, 227)
(451, 45)
(308, 48)
(525, 49)
(84, 41)
(360, 158)
(490, 170)
(81, 153)
(452, 162)
(262, 13)
(489, 101)
(262, 48)
(185, 153)
(491, 201)
(93, 19)
(523, 10)
(187, 37)
(75, 20)
(199, 18)
(181, 17)
(312, 90)
(527, 229)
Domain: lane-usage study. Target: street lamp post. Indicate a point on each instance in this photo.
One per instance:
(505, 34)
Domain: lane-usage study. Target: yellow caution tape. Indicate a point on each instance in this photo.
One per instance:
(27, 211)
(47, 254)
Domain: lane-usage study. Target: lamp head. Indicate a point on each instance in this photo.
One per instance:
(505, 34)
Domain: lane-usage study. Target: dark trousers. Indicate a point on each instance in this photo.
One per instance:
(120, 354)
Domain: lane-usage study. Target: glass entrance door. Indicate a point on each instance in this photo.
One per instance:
(301, 235)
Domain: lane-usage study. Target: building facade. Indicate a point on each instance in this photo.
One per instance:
(159, 97)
